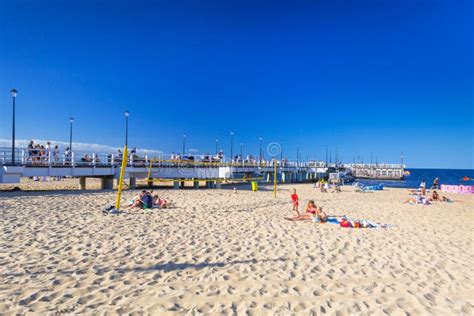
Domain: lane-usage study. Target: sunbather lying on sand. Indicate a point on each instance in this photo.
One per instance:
(435, 197)
(418, 200)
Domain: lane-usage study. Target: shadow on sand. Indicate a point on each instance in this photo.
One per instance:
(165, 267)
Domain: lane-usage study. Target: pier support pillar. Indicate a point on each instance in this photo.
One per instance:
(82, 183)
(133, 183)
(268, 177)
(196, 184)
(176, 185)
(182, 184)
(107, 183)
(209, 184)
(218, 184)
(149, 182)
(283, 177)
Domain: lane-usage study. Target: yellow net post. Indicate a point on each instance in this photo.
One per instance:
(274, 178)
(122, 172)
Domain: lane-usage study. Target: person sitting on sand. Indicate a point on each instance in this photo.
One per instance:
(336, 188)
(135, 202)
(324, 186)
(435, 197)
(310, 211)
(144, 200)
(161, 203)
(295, 202)
(323, 217)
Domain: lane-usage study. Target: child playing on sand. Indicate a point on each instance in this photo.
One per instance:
(295, 202)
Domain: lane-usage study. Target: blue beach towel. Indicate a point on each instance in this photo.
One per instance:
(333, 220)
(366, 223)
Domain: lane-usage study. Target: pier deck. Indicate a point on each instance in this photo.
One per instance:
(107, 167)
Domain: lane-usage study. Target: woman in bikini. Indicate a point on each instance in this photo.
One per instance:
(310, 211)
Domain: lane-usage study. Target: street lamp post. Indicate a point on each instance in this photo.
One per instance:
(261, 149)
(281, 151)
(297, 155)
(71, 120)
(217, 145)
(14, 93)
(184, 144)
(326, 155)
(241, 151)
(127, 114)
(231, 146)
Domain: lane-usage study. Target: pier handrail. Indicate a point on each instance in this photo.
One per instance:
(87, 159)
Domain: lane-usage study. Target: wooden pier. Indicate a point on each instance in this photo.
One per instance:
(377, 171)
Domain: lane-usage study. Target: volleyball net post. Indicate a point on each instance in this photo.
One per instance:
(122, 174)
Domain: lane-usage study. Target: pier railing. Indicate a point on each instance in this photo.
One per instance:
(51, 158)
(374, 166)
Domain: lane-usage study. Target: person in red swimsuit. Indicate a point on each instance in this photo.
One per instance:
(295, 202)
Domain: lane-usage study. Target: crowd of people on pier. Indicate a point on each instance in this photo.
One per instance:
(47, 153)
(38, 152)
(219, 157)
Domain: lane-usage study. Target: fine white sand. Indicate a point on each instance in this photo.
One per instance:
(222, 253)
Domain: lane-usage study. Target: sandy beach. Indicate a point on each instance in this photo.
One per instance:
(217, 252)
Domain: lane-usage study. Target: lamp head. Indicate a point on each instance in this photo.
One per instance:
(127, 113)
(14, 93)
(71, 120)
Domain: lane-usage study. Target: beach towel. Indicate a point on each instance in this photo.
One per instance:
(351, 223)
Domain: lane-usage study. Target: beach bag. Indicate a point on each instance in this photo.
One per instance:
(345, 223)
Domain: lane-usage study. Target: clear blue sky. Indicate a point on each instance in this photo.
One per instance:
(364, 76)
